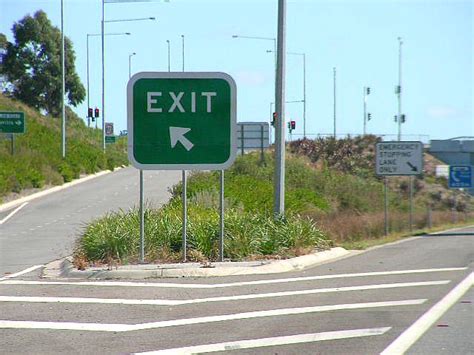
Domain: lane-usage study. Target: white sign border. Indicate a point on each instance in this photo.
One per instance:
(396, 142)
(183, 75)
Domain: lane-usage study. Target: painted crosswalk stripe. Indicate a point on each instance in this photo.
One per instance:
(274, 341)
(164, 302)
(225, 285)
(99, 327)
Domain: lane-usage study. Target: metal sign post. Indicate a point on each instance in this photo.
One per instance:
(221, 229)
(399, 159)
(385, 190)
(181, 121)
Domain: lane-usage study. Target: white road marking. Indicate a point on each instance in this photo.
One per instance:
(224, 285)
(199, 320)
(12, 213)
(30, 269)
(275, 341)
(164, 302)
(417, 329)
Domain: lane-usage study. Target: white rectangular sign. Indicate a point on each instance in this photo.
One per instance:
(251, 135)
(109, 128)
(399, 158)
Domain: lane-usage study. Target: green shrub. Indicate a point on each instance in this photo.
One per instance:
(115, 237)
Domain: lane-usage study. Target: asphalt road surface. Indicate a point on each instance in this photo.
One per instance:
(46, 228)
(414, 296)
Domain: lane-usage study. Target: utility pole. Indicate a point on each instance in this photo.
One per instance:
(334, 99)
(399, 88)
(279, 189)
(366, 115)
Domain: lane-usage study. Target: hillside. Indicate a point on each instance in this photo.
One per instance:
(37, 159)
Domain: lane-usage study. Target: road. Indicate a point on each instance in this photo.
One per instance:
(363, 304)
(46, 228)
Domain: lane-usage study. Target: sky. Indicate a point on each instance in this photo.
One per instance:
(358, 38)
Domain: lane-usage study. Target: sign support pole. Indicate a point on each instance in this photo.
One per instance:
(13, 143)
(411, 203)
(221, 231)
(185, 214)
(385, 206)
(142, 221)
(279, 183)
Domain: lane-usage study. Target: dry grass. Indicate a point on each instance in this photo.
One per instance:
(351, 227)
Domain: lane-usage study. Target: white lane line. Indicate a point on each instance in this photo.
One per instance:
(199, 320)
(234, 284)
(275, 341)
(30, 269)
(164, 302)
(10, 215)
(417, 329)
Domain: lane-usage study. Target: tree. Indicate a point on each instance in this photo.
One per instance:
(31, 66)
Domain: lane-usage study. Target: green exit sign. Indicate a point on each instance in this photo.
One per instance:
(181, 121)
(12, 122)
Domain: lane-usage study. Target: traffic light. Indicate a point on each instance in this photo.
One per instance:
(293, 125)
(368, 91)
(403, 118)
(96, 112)
(369, 116)
(274, 119)
(89, 112)
(395, 118)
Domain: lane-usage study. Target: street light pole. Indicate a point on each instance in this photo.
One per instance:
(87, 45)
(63, 84)
(102, 32)
(274, 51)
(304, 87)
(169, 55)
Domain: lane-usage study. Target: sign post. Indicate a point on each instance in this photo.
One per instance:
(181, 121)
(460, 177)
(399, 159)
(13, 123)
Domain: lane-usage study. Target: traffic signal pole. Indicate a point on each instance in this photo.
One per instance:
(279, 188)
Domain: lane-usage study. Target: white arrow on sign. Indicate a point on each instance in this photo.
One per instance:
(18, 122)
(177, 135)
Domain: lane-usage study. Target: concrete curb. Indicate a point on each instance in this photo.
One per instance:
(14, 203)
(64, 268)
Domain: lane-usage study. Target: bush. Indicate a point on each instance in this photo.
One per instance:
(115, 238)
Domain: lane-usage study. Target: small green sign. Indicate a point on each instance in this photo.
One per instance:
(12, 122)
(181, 121)
(110, 139)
